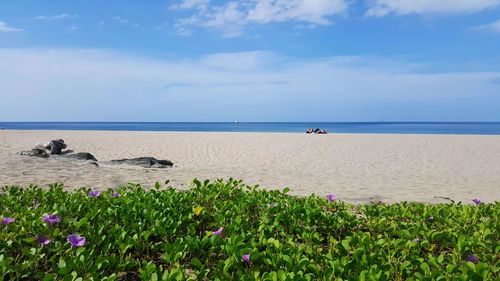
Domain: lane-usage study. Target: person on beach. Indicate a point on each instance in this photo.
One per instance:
(316, 131)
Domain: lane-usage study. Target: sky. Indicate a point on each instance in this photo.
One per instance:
(250, 60)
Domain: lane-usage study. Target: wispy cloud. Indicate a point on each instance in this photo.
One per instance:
(190, 4)
(120, 19)
(4, 27)
(492, 27)
(55, 17)
(183, 26)
(405, 7)
(231, 18)
(305, 26)
(123, 21)
(311, 11)
(109, 85)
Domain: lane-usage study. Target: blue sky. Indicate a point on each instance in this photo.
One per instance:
(250, 60)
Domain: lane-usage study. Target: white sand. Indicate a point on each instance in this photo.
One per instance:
(357, 167)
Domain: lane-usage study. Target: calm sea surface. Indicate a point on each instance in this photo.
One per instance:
(491, 128)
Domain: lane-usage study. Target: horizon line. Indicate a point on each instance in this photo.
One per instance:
(240, 122)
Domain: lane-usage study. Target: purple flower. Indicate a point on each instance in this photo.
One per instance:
(114, 195)
(75, 240)
(331, 197)
(472, 258)
(42, 240)
(476, 201)
(246, 258)
(51, 219)
(94, 193)
(218, 232)
(8, 220)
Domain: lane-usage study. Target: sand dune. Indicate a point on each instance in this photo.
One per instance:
(357, 167)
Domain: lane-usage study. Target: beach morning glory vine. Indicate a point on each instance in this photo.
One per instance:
(51, 219)
(75, 240)
(8, 220)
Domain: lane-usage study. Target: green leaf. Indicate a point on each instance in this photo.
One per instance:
(196, 263)
(63, 269)
(405, 265)
(425, 267)
(345, 244)
(81, 222)
(281, 275)
(50, 277)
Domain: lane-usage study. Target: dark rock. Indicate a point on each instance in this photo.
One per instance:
(80, 156)
(146, 162)
(36, 152)
(56, 146)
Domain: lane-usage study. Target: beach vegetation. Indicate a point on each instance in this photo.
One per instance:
(226, 230)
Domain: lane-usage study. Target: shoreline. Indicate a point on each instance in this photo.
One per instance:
(247, 132)
(356, 167)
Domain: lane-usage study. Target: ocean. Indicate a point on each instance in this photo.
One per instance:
(462, 128)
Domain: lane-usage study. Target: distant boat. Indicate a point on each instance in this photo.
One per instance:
(236, 122)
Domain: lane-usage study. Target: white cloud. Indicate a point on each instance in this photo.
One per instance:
(227, 18)
(190, 4)
(120, 19)
(493, 27)
(97, 85)
(124, 21)
(304, 27)
(181, 26)
(404, 7)
(312, 11)
(55, 17)
(232, 17)
(4, 27)
(238, 61)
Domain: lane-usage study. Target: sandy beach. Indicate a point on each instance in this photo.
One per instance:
(357, 167)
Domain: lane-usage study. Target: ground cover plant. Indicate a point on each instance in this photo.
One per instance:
(224, 230)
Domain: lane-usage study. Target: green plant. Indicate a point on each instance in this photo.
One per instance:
(164, 234)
